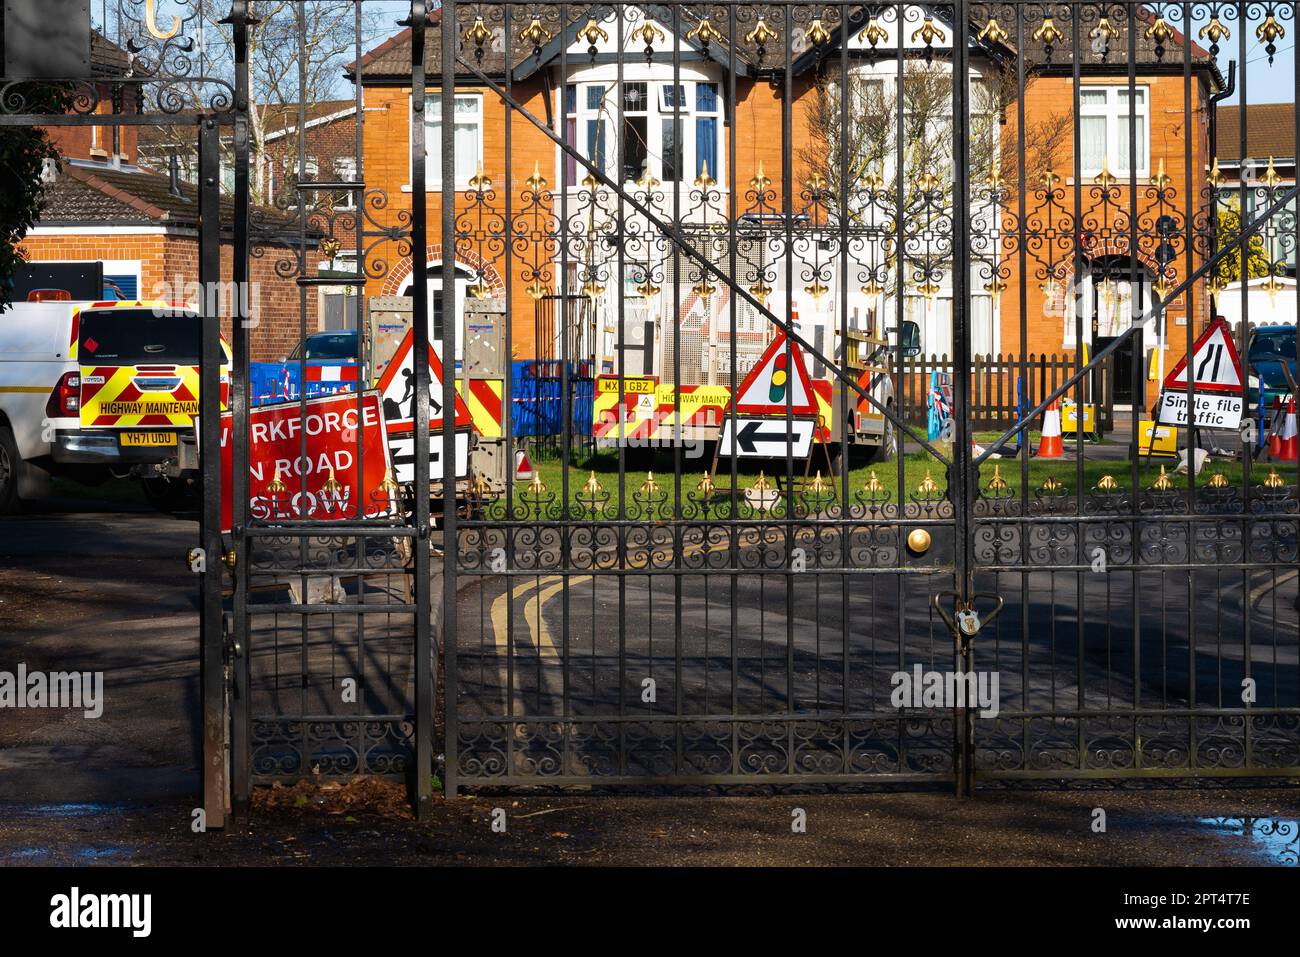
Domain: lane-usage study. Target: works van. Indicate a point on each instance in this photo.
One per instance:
(94, 391)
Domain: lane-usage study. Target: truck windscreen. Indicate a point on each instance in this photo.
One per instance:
(140, 336)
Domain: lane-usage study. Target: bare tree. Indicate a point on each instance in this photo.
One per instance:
(296, 53)
(920, 174)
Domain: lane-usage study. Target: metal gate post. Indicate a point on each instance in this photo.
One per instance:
(239, 406)
(422, 786)
(215, 780)
(962, 482)
(450, 40)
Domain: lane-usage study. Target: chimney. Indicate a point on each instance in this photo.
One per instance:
(174, 175)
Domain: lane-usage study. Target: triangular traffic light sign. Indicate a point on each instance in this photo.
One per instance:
(772, 388)
(1216, 367)
(397, 387)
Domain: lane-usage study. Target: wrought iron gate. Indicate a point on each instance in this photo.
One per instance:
(684, 183)
(627, 626)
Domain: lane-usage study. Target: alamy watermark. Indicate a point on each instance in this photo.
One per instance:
(219, 298)
(919, 688)
(82, 690)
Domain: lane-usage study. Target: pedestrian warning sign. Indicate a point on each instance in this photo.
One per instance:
(1215, 364)
(397, 387)
(778, 383)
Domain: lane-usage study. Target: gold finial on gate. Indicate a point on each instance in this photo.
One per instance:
(759, 182)
(648, 289)
(1050, 179)
(704, 33)
(762, 34)
(873, 485)
(1163, 483)
(1048, 34)
(1051, 485)
(818, 483)
(997, 484)
(1215, 31)
(1160, 31)
(873, 32)
(388, 487)
(1271, 179)
(536, 182)
(704, 180)
(1270, 30)
(592, 32)
(648, 32)
(992, 33)
(1162, 179)
(1105, 179)
(593, 487)
(1218, 480)
(649, 486)
(1107, 483)
(647, 181)
(331, 487)
(1162, 287)
(478, 33)
(928, 487)
(816, 34)
(1215, 175)
(1274, 480)
(928, 32)
(761, 484)
(1104, 30)
(760, 291)
(536, 34)
(705, 486)
(276, 486)
(480, 182)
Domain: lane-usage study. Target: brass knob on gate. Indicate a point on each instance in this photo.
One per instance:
(918, 541)
(232, 557)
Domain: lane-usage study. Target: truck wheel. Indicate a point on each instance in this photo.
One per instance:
(888, 446)
(10, 465)
(169, 495)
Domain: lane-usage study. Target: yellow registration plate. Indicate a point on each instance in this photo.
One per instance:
(139, 440)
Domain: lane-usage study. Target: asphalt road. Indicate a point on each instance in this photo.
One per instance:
(101, 590)
(107, 590)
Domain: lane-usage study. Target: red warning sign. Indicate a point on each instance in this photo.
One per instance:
(1216, 367)
(778, 383)
(397, 388)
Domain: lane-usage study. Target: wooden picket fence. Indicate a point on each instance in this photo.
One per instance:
(993, 386)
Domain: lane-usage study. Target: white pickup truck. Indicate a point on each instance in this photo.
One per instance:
(93, 390)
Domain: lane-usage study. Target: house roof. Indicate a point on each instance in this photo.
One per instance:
(106, 57)
(1270, 131)
(101, 195)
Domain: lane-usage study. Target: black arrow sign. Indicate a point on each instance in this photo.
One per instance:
(751, 433)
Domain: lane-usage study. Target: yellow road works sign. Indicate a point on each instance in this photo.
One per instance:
(1165, 443)
(1070, 418)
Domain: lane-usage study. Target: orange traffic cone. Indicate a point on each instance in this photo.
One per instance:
(1049, 446)
(1290, 450)
(1274, 441)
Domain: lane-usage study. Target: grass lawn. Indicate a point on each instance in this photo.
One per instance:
(604, 465)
